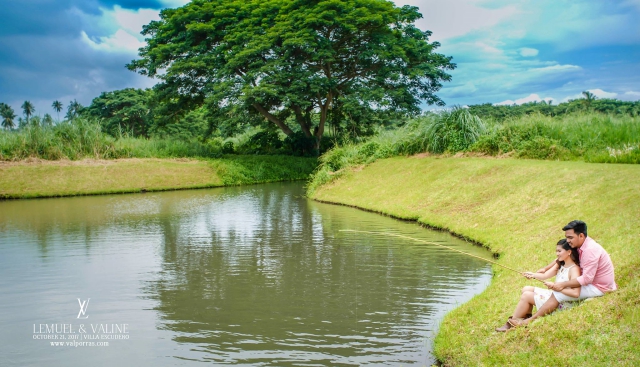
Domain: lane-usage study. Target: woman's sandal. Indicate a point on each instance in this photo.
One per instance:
(507, 325)
(517, 322)
(504, 328)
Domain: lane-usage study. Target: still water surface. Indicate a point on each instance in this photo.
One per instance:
(255, 275)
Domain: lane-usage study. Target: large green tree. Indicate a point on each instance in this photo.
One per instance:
(125, 110)
(291, 60)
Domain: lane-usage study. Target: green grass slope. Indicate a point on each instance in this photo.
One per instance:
(517, 209)
(93, 177)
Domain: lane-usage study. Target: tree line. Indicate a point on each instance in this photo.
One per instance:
(9, 116)
(588, 102)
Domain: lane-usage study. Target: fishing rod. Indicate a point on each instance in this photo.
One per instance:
(436, 244)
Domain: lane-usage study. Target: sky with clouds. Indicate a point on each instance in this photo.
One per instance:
(506, 51)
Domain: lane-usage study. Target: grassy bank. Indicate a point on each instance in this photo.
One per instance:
(517, 209)
(38, 178)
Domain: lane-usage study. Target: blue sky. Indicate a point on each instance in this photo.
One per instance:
(507, 51)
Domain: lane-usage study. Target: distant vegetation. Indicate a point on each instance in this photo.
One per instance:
(582, 135)
(131, 123)
(587, 104)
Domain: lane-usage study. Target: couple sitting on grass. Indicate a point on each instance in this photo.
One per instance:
(583, 269)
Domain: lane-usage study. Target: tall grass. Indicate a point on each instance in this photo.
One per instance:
(84, 139)
(166, 148)
(590, 137)
(453, 131)
(71, 140)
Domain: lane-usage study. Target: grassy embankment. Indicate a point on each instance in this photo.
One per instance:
(517, 209)
(25, 179)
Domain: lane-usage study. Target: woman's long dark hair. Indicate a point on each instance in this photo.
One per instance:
(575, 256)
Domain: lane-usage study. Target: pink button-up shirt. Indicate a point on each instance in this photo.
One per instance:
(597, 268)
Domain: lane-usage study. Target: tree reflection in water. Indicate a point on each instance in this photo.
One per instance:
(244, 275)
(261, 275)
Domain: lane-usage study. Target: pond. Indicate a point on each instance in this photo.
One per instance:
(255, 275)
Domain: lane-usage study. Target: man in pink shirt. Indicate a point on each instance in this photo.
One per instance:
(597, 271)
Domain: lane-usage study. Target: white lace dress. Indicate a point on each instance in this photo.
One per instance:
(541, 295)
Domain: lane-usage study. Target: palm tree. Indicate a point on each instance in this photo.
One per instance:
(47, 120)
(57, 106)
(28, 109)
(8, 115)
(588, 98)
(73, 110)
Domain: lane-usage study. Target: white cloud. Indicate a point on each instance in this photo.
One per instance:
(133, 20)
(118, 42)
(599, 93)
(528, 52)
(530, 98)
(602, 94)
(121, 26)
(555, 68)
(453, 18)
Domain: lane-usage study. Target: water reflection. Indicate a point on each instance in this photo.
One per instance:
(255, 276)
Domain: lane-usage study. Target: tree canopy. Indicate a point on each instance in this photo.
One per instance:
(290, 62)
(122, 110)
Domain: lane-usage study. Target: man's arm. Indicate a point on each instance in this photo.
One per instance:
(572, 291)
(589, 264)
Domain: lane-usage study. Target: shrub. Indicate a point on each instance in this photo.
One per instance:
(453, 131)
(228, 148)
(541, 147)
(301, 145)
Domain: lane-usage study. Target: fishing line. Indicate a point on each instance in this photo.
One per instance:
(436, 244)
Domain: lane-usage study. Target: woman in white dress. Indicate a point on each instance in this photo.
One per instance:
(567, 267)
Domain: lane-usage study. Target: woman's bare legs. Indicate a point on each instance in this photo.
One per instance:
(523, 309)
(526, 303)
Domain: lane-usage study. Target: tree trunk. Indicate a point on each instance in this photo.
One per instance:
(302, 121)
(273, 119)
(324, 110)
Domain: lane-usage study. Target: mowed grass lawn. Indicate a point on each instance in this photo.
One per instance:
(517, 209)
(39, 178)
